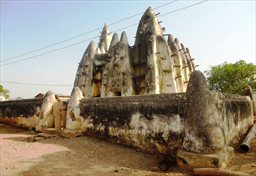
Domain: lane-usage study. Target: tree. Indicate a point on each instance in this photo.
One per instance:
(4, 92)
(232, 78)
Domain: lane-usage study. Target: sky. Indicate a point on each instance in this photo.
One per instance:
(214, 31)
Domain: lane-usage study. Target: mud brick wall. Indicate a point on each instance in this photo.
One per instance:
(199, 120)
(214, 120)
(20, 112)
(236, 116)
(153, 123)
(253, 97)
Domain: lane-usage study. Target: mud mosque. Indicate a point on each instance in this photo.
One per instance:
(148, 96)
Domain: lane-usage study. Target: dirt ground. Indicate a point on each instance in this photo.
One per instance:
(86, 156)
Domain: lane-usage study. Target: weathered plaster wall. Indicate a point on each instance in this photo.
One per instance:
(39, 114)
(236, 115)
(73, 118)
(213, 120)
(254, 103)
(21, 112)
(250, 93)
(153, 65)
(153, 123)
(199, 120)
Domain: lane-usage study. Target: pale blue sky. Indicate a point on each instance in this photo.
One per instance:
(214, 31)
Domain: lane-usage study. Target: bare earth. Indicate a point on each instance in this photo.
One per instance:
(86, 156)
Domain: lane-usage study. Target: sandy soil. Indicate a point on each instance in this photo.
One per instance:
(86, 156)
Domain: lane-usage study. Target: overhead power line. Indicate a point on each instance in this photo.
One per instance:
(51, 51)
(58, 49)
(36, 84)
(183, 8)
(48, 46)
(141, 13)
(82, 34)
(61, 48)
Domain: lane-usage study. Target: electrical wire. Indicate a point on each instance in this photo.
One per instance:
(58, 49)
(51, 51)
(183, 8)
(35, 84)
(82, 34)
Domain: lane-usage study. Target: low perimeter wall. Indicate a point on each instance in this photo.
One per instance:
(22, 113)
(151, 122)
(214, 120)
(199, 120)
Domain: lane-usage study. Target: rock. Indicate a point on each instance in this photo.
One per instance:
(189, 160)
(70, 133)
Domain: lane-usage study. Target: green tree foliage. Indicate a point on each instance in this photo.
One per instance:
(232, 78)
(4, 92)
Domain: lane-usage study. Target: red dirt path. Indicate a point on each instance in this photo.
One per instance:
(86, 156)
